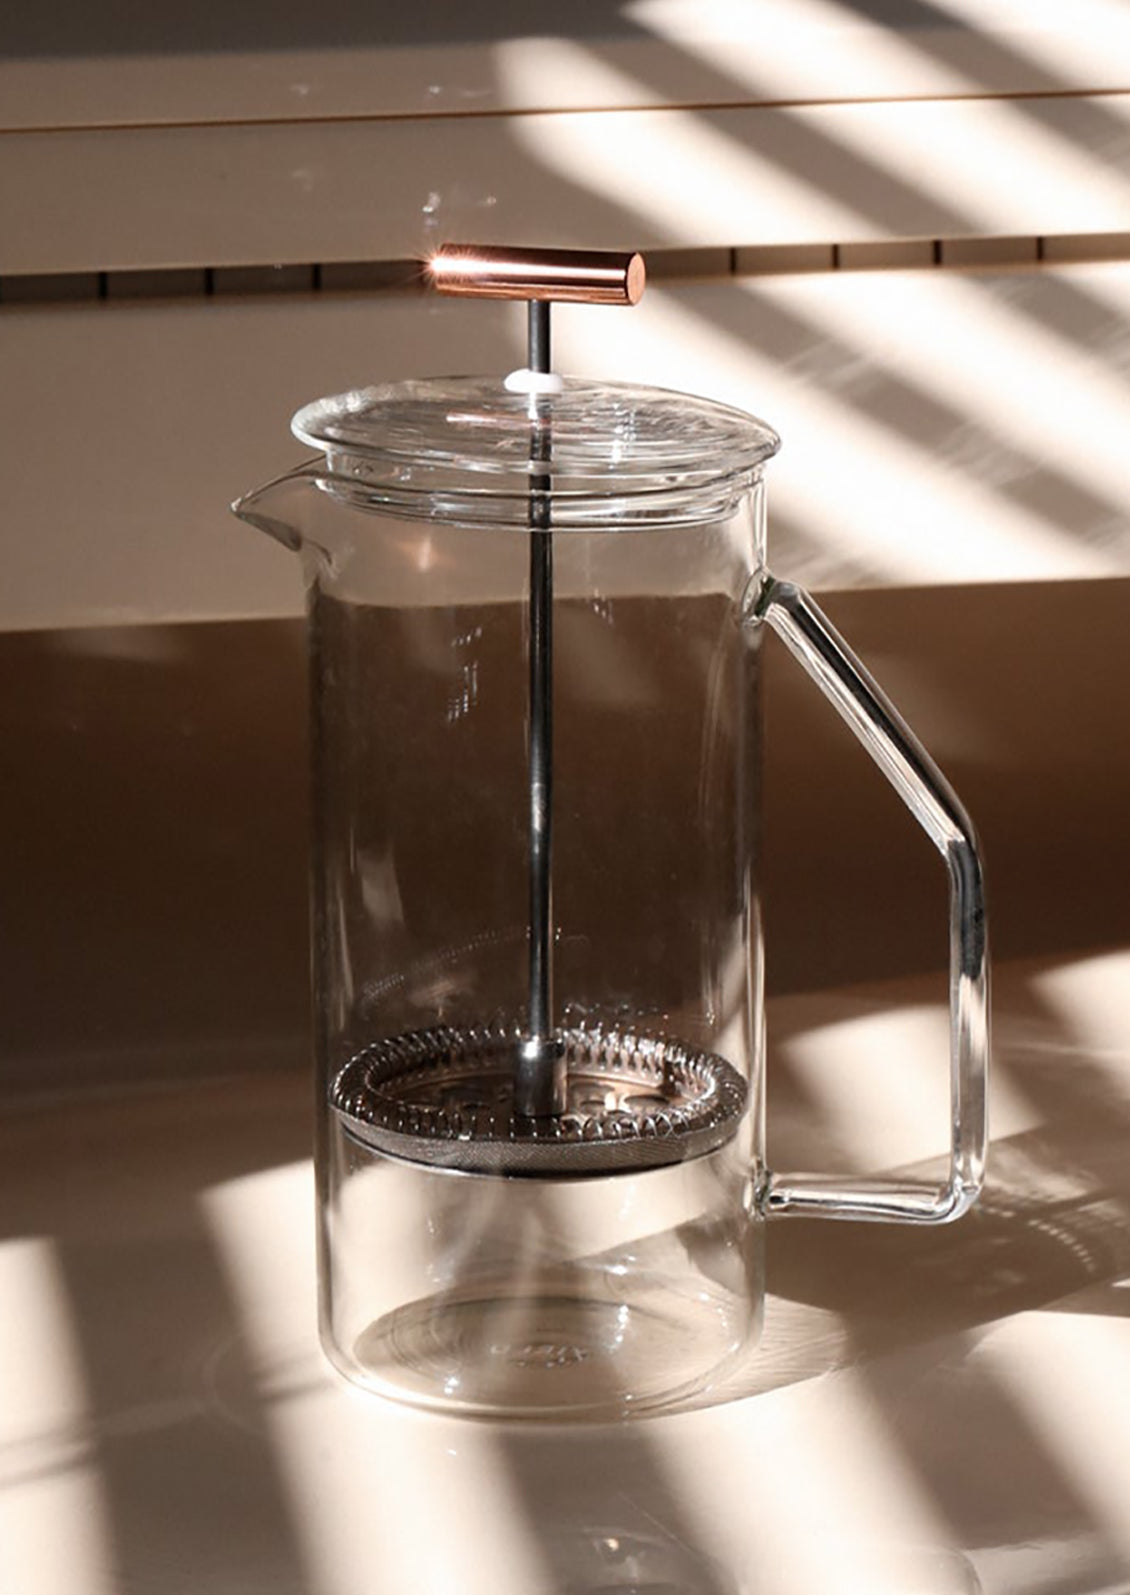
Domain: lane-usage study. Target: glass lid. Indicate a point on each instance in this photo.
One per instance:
(475, 450)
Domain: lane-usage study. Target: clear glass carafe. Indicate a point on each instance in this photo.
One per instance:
(609, 1260)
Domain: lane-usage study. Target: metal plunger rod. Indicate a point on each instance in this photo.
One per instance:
(539, 276)
(539, 1087)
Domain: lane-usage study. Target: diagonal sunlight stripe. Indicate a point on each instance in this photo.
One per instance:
(1067, 1370)
(1078, 43)
(920, 50)
(643, 164)
(821, 172)
(686, 162)
(967, 340)
(994, 347)
(769, 48)
(1089, 995)
(868, 497)
(54, 1528)
(880, 1081)
(1011, 154)
(383, 1498)
(825, 1501)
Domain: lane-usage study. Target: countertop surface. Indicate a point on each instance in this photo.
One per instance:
(929, 1411)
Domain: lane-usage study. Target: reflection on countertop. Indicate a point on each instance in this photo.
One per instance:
(930, 1411)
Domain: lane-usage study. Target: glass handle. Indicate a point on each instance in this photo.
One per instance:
(927, 794)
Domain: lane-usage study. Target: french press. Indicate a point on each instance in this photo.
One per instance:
(536, 609)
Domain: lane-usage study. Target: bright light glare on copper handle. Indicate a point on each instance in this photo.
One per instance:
(579, 276)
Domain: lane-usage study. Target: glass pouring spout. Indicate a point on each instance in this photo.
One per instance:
(285, 508)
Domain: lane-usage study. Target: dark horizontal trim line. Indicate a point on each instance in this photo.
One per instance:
(664, 265)
(697, 107)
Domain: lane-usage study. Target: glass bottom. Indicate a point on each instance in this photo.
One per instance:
(533, 1297)
(546, 1356)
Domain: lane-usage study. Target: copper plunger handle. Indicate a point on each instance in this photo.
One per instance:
(579, 276)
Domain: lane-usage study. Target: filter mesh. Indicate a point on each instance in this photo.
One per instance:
(445, 1097)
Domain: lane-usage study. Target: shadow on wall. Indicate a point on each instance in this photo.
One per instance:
(64, 29)
(155, 800)
(156, 807)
